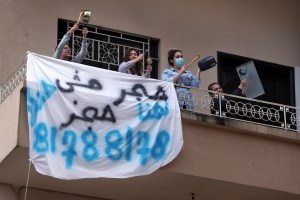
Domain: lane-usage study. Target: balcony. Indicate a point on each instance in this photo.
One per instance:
(241, 109)
(247, 149)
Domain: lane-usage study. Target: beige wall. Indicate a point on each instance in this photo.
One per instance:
(267, 30)
(7, 192)
(9, 118)
(36, 194)
(232, 155)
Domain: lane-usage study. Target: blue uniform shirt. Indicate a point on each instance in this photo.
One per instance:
(184, 96)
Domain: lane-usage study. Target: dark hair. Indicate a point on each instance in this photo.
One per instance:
(171, 54)
(210, 87)
(137, 68)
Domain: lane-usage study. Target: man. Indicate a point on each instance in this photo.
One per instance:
(63, 51)
(218, 89)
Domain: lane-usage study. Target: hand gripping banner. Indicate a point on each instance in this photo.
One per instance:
(86, 122)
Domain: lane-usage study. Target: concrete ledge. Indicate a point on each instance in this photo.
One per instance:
(7, 192)
(241, 126)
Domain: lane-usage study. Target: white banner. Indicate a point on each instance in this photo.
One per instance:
(86, 122)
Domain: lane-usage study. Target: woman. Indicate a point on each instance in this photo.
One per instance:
(178, 74)
(132, 64)
(63, 51)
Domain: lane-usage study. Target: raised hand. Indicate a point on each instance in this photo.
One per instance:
(74, 28)
(85, 32)
(243, 84)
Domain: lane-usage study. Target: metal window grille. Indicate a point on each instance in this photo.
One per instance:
(107, 47)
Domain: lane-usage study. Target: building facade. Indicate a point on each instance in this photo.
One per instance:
(222, 158)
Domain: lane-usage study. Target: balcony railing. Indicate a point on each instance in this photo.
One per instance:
(221, 105)
(13, 81)
(241, 108)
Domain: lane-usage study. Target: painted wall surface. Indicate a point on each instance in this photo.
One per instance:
(266, 30)
(9, 119)
(7, 192)
(36, 194)
(234, 156)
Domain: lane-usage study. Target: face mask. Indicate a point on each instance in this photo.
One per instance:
(179, 62)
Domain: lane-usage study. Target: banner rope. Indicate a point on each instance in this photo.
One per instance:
(25, 196)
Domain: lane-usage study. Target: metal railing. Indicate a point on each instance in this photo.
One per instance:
(108, 47)
(209, 103)
(241, 108)
(13, 81)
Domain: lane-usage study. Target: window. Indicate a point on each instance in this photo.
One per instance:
(107, 47)
(278, 83)
(277, 80)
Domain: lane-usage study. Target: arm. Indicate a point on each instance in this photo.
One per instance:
(196, 80)
(64, 41)
(167, 76)
(239, 91)
(125, 66)
(60, 46)
(82, 53)
(148, 72)
(84, 47)
(177, 76)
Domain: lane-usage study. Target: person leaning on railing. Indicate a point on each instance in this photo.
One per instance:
(218, 89)
(63, 51)
(133, 64)
(178, 74)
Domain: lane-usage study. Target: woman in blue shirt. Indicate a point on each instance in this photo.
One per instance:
(178, 74)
